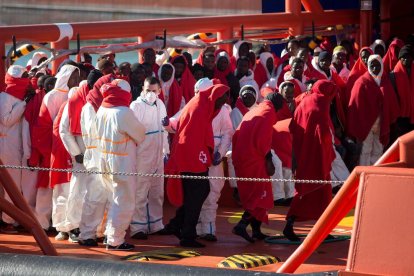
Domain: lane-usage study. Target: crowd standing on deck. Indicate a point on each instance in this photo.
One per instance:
(310, 114)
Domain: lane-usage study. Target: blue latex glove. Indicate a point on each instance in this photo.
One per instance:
(165, 121)
(216, 158)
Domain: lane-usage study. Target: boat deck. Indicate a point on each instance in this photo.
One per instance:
(328, 257)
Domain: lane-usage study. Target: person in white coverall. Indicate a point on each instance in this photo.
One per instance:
(76, 190)
(97, 195)
(12, 106)
(149, 110)
(118, 132)
(66, 78)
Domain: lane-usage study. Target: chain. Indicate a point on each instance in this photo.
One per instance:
(157, 175)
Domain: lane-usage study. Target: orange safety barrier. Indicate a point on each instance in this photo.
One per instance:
(400, 154)
(22, 213)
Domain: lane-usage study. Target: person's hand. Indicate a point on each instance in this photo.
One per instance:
(79, 158)
(216, 158)
(165, 121)
(270, 168)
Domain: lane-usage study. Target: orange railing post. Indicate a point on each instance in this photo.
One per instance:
(22, 213)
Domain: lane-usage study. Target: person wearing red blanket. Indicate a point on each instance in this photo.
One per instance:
(149, 57)
(391, 57)
(192, 154)
(402, 79)
(240, 49)
(223, 72)
(12, 106)
(119, 132)
(373, 107)
(171, 92)
(287, 90)
(183, 76)
(252, 157)
(265, 68)
(66, 78)
(313, 155)
(30, 155)
(360, 68)
(296, 76)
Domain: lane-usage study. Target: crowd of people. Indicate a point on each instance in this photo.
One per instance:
(310, 114)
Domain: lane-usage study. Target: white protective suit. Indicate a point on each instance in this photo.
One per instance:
(52, 101)
(148, 212)
(29, 178)
(118, 132)
(223, 133)
(11, 147)
(75, 146)
(97, 195)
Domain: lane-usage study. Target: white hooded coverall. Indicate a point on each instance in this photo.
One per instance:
(148, 212)
(118, 133)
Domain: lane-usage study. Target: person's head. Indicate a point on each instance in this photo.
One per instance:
(222, 61)
(179, 64)
(303, 53)
(375, 66)
(266, 59)
(137, 76)
(276, 99)
(287, 90)
(148, 69)
(406, 56)
(106, 66)
(244, 49)
(220, 101)
(339, 55)
(365, 53)
(189, 58)
(93, 76)
(87, 58)
(248, 95)
(292, 47)
(167, 71)
(203, 84)
(41, 81)
(252, 58)
(84, 70)
(378, 47)
(326, 88)
(309, 84)
(149, 56)
(125, 68)
(243, 66)
(324, 61)
(17, 72)
(198, 71)
(297, 68)
(110, 57)
(74, 79)
(49, 83)
(209, 61)
(151, 90)
(38, 58)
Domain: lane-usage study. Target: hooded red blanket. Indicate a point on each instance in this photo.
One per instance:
(405, 87)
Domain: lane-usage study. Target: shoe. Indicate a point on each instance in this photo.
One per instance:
(51, 231)
(241, 231)
(256, 229)
(9, 229)
(88, 242)
(279, 202)
(236, 196)
(288, 201)
(61, 236)
(140, 236)
(191, 243)
(122, 247)
(208, 237)
(74, 235)
(329, 237)
(163, 232)
(170, 230)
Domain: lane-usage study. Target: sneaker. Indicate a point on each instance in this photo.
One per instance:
(140, 236)
(209, 237)
(122, 247)
(88, 242)
(61, 236)
(74, 235)
(9, 229)
(191, 243)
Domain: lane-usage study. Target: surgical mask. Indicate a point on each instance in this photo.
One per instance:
(150, 98)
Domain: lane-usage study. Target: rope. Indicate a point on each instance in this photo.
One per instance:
(157, 175)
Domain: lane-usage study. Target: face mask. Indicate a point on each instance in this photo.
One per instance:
(150, 98)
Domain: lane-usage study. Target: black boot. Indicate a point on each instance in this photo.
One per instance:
(257, 232)
(288, 231)
(240, 228)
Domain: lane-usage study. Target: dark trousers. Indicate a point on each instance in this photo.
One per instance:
(186, 217)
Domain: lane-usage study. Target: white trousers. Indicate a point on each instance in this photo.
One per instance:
(285, 189)
(207, 219)
(96, 199)
(16, 175)
(231, 171)
(44, 206)
(29, 189)
(76, 197)
(339, 170)
(148, 211)
(372, 148)
(60, 200)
